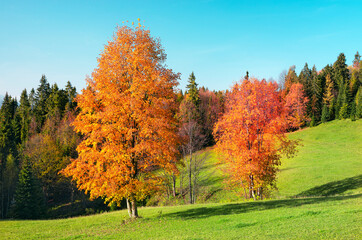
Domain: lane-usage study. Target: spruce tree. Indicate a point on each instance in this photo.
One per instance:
(358, 102)
(328, 98)
(29, 198)
(9, 138)
(356, 60)
(340, 70)
(41, 97)
(10, 178)
(342, 110)
(192, 90)
(24, 114)
(325, 113)
(71, 93)
(290, 78)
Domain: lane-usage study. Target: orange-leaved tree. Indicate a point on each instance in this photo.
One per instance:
(296, 106)
(250, 135)
(127, 119)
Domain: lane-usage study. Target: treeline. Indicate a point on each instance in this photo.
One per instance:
(335, 92)
(37, 139)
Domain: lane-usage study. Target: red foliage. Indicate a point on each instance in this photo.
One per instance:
(296, 106)
(250, 134)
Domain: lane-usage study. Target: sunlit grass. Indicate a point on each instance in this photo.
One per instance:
(328, 166)
(308, 218)
(331, 152)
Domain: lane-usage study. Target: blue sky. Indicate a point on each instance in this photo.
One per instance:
(218, 40)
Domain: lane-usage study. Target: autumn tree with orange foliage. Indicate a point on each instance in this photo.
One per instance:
(250, 135)
(127, 120)
(296, 106)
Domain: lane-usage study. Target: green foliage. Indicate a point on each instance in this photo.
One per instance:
(356, 60)
(29, 198)
(325, 114)
(8, 184)
(24, 114)
(340, 70)
(192, 90)
(312, 122)
(40, 102)
(71, 93)
(342, 108)
(358, 102)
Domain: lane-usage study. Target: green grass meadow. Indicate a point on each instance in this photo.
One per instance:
(319, 197)
(329, 162)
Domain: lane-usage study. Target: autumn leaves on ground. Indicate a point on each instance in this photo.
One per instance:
(131, 139)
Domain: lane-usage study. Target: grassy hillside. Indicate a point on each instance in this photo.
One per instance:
(328, 163)
(328, 166)
(308, 218)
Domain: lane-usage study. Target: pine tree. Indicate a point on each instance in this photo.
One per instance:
(315, 100)
(71, 93)
(358, 102)
(325, 113)
(192, 90)
(328, 98)
(342, 110)
(40, 107)
(10, 178)
(24, 114)
(56, 102)
(305, 78)
(29, 198)
(357, 59)
(8, 143)
(32, 99)
(340, 70)
(290, 78)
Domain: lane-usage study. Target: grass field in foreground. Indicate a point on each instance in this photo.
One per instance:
(309, 218)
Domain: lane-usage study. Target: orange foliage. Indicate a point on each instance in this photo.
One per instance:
(296, 106)
(126, 118)
(250, 134)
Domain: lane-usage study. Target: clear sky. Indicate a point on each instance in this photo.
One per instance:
(218, 40)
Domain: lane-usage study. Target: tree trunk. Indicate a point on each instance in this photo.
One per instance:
(190, 180)
(260, 193)
(129, 208)
(251, 187)
(181, 180)
(173, 185)
(134, 209)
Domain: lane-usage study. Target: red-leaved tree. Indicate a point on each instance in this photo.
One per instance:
(250, 135)
(296, 106)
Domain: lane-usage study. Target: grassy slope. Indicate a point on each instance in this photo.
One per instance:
(309, 218)
(329, 163)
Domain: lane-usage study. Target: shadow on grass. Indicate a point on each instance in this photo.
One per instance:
(238, 208)
(334, 188)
